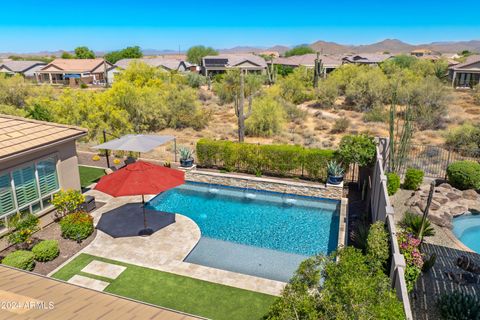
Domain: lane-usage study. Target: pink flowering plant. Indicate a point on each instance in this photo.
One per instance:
(410, 248)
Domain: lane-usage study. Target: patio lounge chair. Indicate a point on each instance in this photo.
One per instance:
(130, 160)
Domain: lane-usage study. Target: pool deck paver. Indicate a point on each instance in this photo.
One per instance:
(87, 282)
(104, 269)
(166, 249)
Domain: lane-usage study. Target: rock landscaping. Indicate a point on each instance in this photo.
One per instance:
(448, 202)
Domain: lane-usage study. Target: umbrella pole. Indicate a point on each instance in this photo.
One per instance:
(145, 231)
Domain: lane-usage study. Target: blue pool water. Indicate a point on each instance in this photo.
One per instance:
(467, 229)
(259, 233)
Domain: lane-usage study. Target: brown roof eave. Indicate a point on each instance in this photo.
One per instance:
(42, 146)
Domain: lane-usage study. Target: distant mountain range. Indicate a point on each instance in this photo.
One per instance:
(387, 45)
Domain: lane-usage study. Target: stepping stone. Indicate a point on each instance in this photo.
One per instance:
(88, 282)
(104, 269)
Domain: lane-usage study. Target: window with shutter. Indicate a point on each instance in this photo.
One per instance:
(26, 188)
(47, 176)
(7, 204)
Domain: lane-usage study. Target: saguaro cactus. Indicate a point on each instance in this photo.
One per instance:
(317, 71)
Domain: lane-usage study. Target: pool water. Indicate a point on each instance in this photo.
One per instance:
(467, 229)
(260, 233)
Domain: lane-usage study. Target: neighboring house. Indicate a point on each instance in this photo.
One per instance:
(25, 68)
(467, 74)
(366, 58)
(421, 52)
(219, 64)
(76, 71)
(329, 62)
(165, 64)
(37, 159)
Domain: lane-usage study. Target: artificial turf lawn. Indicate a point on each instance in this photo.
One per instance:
(89, 175)
(198, 297)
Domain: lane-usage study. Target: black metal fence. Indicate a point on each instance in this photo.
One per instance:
(434, 160)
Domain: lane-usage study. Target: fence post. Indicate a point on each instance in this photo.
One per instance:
(448, 162)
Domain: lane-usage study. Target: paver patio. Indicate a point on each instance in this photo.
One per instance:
(104, 269)
(166, 249)
(86, 282)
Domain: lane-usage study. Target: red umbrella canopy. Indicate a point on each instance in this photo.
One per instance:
(140, 178)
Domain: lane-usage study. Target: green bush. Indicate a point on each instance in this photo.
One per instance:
(279, 160)
(67, 201)
(464, 175)
(46, 250)
(376, 114)
(459, 306)
(393, 183)
(340, 125)
(195, 80)
(413, 179)
(378, 248)
(20, 259)
(360, 149)
(267, 118)
(77, 226)
(466, 139)
(23, 228)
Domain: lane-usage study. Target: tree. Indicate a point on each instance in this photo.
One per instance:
(267, 117)
(84, 53)
(127, 53)
(297, 86)
(67, 55)
(196, 53)
(299, 51)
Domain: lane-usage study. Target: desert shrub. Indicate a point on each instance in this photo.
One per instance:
(413, 179)
(296, 87)
(367, 89)
(46, 250)
(13, 90)
(327, 93)
(412, 223)
(378, 248)
(430, 100)
(67, 201)
(195, 80)
(360, 149)
(22, 228)
(393, 183)
(376, 114)
(410, 248)
(76, 226)
(459, 305)
(254, 158)
(476, 94)
(465, 138)
(292, 112)
(21, 259)
(464, 175)
(350, 290)
(340, 125)
(267, 118)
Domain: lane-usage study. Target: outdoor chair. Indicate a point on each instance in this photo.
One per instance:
(130, 160)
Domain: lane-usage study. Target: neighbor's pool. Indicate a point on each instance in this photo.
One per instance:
(467, 229)
(259, 233)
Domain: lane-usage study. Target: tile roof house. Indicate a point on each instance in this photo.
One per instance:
(166, 64)
(223, 62)
(330, 62)
(25, 68)
(75, 71)
(466, 74)
(37, 159)
(40, 297)
(366, 58)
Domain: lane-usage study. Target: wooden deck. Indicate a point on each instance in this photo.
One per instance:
(25, 295)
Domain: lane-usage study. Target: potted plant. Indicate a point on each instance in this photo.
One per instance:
(335, 172)
(186, 157)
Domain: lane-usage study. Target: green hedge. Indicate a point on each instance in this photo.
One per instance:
(413, 179)
(46, 250)
(281, 160)
(464, 175)
(21, 259)
(393, 183)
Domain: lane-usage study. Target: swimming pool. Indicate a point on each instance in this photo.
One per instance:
(467, 229)
(254, 232)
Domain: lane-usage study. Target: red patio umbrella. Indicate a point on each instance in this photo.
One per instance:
(140, 178)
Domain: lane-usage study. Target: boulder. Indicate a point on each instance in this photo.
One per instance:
(458, 210)
(453, 196)
(470, 194)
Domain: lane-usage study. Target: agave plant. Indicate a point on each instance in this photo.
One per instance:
(185, 153)
(413, 223)
(335, 169)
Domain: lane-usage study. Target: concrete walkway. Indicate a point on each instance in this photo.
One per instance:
(166, 249)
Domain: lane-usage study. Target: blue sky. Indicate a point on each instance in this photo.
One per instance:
(28, 25)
